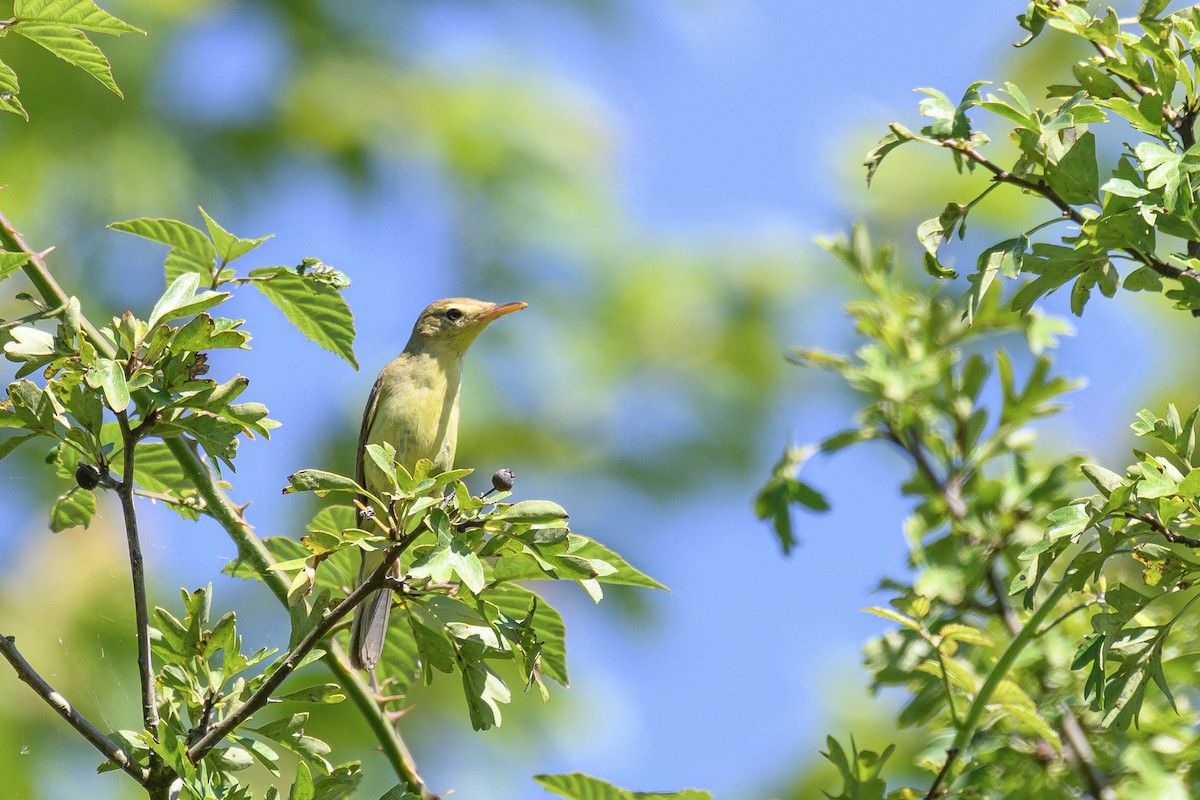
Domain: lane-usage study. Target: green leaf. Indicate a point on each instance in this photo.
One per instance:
(229, 247)
(76, 507)
(578, 786)
(887, 144)
(181, 300)
(318, 310)
(71, 46)
(191, 250)
(321, 482)
(9, 89)
(13, 442)
(1075, 178)
(399, 792)
(1155, 483)
(485, 693)
(303, 788)
(109, 375)
(515, 602)
(10, 262)
(894, 616)
(533, 512)
(1190, 485)
(83, 14)
(448, 557)
(321, 693)
(1104, 480)
(1067, 521)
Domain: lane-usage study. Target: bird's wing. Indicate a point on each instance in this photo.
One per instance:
(360, 473)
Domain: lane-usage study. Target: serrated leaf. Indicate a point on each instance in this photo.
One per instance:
(9, 88)
(71, 46)
(83, 14)
(315, 308)
(578, 786)
(191, 250)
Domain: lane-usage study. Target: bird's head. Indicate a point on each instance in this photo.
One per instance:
(451, 325)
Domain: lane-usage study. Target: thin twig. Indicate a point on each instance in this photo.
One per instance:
(1044, 189)
(951, 755)
(110, 749)
(138, 571)
(1158, 525)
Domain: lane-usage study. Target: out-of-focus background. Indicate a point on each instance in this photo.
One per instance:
(648, 176)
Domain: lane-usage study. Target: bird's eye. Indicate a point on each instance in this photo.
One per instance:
(454, 314)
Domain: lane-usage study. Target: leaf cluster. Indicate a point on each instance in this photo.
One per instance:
(61, 26)
(1140, 79)
(460, 606)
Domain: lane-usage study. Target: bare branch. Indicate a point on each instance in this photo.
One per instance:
(110, 749)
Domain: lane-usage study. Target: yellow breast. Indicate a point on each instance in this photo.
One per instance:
(417, 413)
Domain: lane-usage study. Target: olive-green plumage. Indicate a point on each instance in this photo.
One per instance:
(414, 407)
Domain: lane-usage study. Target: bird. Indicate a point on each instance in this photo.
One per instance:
(414, 407)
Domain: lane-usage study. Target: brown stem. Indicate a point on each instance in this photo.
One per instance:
(110, 749)
(314, 637)
(1043, 189)
(935, 789)
(138, 571)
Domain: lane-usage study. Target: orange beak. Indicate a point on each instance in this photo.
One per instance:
(498, 310)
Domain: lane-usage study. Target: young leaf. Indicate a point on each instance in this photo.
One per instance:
(229, 247)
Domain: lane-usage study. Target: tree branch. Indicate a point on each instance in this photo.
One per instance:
(110, 749)
(1168, 534)
(315, 635)
(229, 517)
(138, 572)
(1044, 189)
(1079, 752)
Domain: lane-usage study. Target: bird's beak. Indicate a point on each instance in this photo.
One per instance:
(499, 310)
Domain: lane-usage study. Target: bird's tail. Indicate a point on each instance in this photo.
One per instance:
(370, 619)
